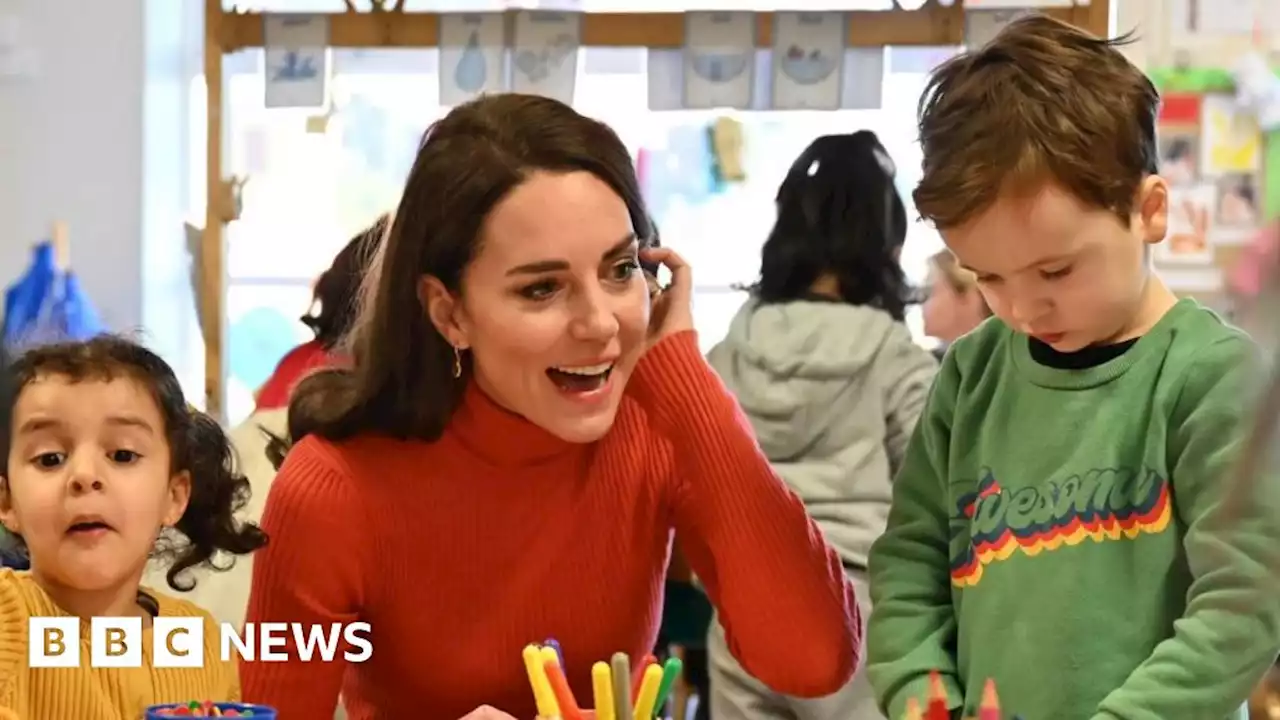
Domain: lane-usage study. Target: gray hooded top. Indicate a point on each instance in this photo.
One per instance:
(833, 391)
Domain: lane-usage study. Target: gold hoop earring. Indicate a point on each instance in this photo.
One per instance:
(457, 363)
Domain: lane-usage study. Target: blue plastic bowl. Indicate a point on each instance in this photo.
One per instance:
(260, 712)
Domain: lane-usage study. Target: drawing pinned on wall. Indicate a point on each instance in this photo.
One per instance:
(1191, 226)
(1230, 139)
(719, 55)
(471, 56)
(1237, 212)
(808, 59)
(1179, 155)
(296, 66)
(545, 53)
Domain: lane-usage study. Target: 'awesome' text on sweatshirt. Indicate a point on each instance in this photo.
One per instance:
(1079, 537)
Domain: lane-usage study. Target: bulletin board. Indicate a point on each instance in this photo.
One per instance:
(1224, 173)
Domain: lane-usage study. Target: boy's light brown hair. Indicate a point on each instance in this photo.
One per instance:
(1043, 102)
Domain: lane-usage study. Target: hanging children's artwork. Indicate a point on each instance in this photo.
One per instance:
(1237, 206)
(719, 59)
(471, 56)
(1231, 140)
(1231, 158)
(808, 55)
(1179, 155)
(1191, 226)
(296, 60)
(545, 56)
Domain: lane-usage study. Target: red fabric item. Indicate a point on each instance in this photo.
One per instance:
(460, 552)
(292, 367)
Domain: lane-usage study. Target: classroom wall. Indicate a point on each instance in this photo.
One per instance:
(1165, 40)
(93, 133)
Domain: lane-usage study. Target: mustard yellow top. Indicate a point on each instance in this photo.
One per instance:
(92, 693)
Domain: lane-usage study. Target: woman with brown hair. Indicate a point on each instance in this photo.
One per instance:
(522, 428)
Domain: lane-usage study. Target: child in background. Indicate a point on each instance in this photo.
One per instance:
(1066, 521)
(825, 369)
(226, 594)
(955, 305)
(102, 457)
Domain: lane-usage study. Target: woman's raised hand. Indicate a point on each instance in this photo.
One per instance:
(672, 310)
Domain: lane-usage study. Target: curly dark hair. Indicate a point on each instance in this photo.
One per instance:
(211, 535)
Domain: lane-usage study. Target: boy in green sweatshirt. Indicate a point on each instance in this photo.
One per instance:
(1067, 521)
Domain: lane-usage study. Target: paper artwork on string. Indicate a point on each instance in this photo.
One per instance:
(1018, 4)
(1179, 155)
(719, 59)
(1230, 139)
(1191, 227)
(296, 65)
(545, 54)
(471, 56)
(808, 55)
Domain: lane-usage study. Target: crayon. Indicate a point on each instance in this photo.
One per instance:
(913, 709)
(621, 667)
(551, 643)
(645, 703)
(670, 672)
(638, 677)
(543, 697)
(602, 688)
(936, 709)
(560, 686)
(990, 707)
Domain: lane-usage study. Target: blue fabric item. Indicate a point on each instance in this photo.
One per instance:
(48, 305)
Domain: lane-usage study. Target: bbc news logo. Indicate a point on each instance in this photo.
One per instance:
(178, 642)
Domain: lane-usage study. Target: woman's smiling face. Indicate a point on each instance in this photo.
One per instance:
(554, 308)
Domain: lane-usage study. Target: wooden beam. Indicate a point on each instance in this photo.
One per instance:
(932, 25)
(212, 291)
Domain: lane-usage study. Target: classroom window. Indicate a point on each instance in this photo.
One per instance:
(309, 192)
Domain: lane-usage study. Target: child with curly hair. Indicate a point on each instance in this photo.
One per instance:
(106, 464)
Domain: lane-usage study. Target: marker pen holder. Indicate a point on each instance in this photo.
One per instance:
(228, 709)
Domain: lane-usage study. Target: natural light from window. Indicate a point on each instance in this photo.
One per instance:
(309, 192)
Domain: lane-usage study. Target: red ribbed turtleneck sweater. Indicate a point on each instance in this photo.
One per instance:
(462, 551)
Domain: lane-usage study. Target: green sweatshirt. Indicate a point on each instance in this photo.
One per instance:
(1078, 536)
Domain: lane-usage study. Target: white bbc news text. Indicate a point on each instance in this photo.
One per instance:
(178, 642)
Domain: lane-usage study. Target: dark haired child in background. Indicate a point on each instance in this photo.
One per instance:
(1067, 522)
(337, 293)
(333, 308)
(826, 370)
(103, 456)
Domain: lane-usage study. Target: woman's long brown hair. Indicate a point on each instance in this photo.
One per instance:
(401, 382)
